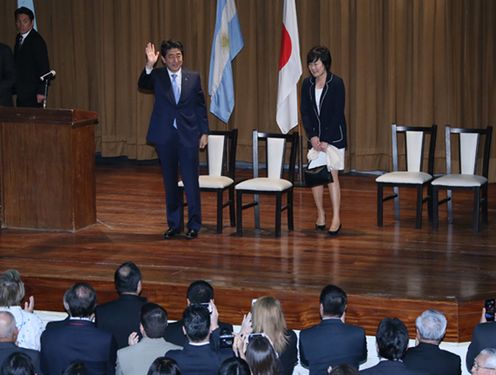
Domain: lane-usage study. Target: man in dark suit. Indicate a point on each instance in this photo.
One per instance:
(78, 339)
(483, 336)
(199, 357)
(8, 337)
(199, 292)
(178, 126)
(485, 362)
(31, 61)
(332, 342)
(427, 356)
(7, 75)
(392, 341)
(122, 316)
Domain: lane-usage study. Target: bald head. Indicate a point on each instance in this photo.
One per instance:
(8, 329)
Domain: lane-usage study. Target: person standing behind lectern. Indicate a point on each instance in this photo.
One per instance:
(31, 61)
(178, 125)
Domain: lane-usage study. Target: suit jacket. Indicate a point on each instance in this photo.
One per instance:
(190, 113)
(484, 336)
(433, 360)
(7, 75)
(332, 342)
(7, 348)
(174, 332)
(199, 360)
(136, 359)
(391, 368)
(31, 61)
(77, 340)
(120, 317)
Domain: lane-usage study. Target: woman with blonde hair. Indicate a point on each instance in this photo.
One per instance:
(267, 317)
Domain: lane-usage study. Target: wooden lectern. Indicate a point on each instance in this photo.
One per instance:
(47, 168)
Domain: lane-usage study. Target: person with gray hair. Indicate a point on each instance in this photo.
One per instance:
(30, 325)
(427, 356)
(485, 362)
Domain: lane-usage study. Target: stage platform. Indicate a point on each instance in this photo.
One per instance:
(395, 270)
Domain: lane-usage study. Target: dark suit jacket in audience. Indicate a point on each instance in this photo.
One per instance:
(199, 360)
(332, 342)
(7, 348)
(289, 357)
(484, 336)
(391, 368)
(77, 340)
(433, 360)
(174, 332)
(120, 317)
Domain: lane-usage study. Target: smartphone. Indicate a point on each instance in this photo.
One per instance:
(489, 304)
(208, 306)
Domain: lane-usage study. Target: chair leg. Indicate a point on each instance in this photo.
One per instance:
(239, 213)
(380, 191)
(449, 205)
(290, 210)
(485, 203)
(278, 214)
(396, 191)
(220, 206)
(181, 209)
(476, 209)
(232, 213)
(429, 201)
(420, 199)
(256, 211)
(435, 207)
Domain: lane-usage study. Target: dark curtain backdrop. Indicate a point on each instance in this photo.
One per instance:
(405, 61)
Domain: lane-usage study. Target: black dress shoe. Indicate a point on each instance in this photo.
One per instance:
(171, 232)
(191, 234)
(334, 232)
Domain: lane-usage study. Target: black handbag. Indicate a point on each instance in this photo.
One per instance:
(317, 176)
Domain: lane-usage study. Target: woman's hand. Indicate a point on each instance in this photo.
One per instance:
(323, 146)
(315, 141)
(246, 327)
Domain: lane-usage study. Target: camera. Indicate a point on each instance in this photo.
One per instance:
(489, 304)
(208, 306)
(226, 339)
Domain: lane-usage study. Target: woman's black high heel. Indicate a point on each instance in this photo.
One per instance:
(320, 227)
(334, 232)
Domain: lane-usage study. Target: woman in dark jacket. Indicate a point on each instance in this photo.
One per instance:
(322, 112)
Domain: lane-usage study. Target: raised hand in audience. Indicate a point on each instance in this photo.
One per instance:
(29, 304)
(133, 338)
(483, 316)
(214, 316)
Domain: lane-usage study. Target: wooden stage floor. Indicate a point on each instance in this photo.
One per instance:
(395, 270)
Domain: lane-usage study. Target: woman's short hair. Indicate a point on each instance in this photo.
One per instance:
(164, 366)
(18, 364)
(234, 366)
(268, 318)
(261, 356)
(320, 53)
(11, 288)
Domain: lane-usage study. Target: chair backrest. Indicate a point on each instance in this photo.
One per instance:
(466, 148)
(280, 152)
(221, 153)
(412, 140)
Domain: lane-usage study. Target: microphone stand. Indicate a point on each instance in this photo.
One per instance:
(47, 83)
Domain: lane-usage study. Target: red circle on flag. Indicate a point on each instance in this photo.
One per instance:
(285, 47)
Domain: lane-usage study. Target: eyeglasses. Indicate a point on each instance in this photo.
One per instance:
(476, 366)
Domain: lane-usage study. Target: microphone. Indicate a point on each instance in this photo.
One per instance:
(48, 76)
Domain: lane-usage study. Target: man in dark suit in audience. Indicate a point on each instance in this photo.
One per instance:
(122, 316)
(8, 337)
(78, 338)
(31, 61)
(7, 75)
(199, 292)
(199, 357)
(483, 336)
(427, 356)
(392, 341)
(332, 342)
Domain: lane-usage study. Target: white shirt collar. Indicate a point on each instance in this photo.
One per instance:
(178, 75)
(26, 34)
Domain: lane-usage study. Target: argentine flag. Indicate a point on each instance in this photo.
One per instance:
(226, 44)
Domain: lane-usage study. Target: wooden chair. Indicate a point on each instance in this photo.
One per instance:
(464, 148)
(411, 141)
(273, 183)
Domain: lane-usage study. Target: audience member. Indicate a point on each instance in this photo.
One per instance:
(344, 369)
(485, 362)
(332, 341)
(8, 337)
(234, 366)
(392, 342)
(201, 292)
(198, 356)
(31, 61)
(18, 364)
(76, 368)
(267, 317)
(164, 366)
(122, 316)
(137, 358)
(261, 356)
(7, 75)
(427, 356)
(78, 338)
(54, 323)
(483, 336)
(29, 324)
